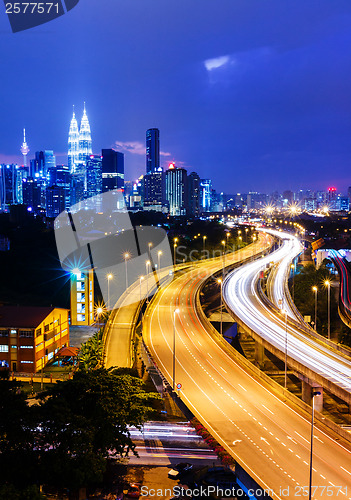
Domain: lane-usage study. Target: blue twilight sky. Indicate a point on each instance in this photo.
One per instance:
(255, 94)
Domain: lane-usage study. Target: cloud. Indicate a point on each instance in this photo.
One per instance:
(217, 62)
(135, 147)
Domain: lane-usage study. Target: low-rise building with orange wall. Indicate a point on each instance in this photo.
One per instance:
(31, 336)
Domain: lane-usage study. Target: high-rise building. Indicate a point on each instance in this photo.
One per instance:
(85, 148)
(154, 190)
(60, 176)
(194, 193)
(176, 190)
(112, 170)
(152, 150)
(73, 144)
(11, 178)
(79, 142)
(94, 175)
(32, 194)
(205, 190)
(37, 165)
(82, 297)
(55, 201)
(49, 161)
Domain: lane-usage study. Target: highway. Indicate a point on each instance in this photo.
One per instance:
(242, 298)
(266, 436)
(343, 268)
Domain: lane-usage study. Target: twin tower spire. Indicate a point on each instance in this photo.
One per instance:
(79, 142)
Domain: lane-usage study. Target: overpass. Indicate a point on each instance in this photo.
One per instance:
(266, 435)
(282, 334)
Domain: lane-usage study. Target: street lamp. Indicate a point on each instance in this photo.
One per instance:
(223, 254)
(327, 284)
(109, 277)
(176, 311)
(315, 289)
(159, 253)
(175, 241)
(286, 349)
(292, 267)
(204, 238)
(147, 263)
(220, 283)
(126, 257)
(149, 247)
(140, 280)
(246, 231)
(314, 393)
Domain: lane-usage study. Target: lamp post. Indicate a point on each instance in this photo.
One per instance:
(221, 283)
(327, 284)
(159, 253)
(223, 255)
(314, 393)
(292, 267)
(149, 248)
(315, 289)
(140, 280)
(246, 231)
(204, 238)
(175, 241)
(126, 257)
(147, 263)
(176, 311)
(286, 349)
(109, 277)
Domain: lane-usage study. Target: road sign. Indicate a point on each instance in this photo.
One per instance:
(179, 386)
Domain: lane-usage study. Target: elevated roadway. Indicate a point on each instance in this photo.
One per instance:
(306, 355)
(265, 435)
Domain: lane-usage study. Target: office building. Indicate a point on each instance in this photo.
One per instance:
(11, 177)
(94, 175)
(176, 190)
(73, 144)
(85, 144)
(152, 150)
(31, 336)
(55, 200)
(205, 195)
(32, 195)
(37, 165)
(112, 170)
(154, 190)
(194, 194)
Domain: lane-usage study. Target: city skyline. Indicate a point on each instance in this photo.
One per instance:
(249, 92)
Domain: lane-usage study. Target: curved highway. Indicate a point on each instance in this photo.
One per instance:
(241, 297)
(267, 437)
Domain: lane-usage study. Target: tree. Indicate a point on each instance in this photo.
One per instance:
(84, 421)
(91, 354)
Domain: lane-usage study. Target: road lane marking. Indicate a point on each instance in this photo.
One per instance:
(302, 437)
(267, 409)
(345, 470)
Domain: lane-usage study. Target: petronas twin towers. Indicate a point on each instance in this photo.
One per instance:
(79, 142)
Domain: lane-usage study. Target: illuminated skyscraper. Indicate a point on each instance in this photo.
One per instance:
(73, 144)
(85, 148)
(176, 190)
(152, 150)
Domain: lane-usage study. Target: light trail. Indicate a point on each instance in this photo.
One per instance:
(240, 295)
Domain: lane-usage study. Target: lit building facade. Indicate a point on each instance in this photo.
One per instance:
(176, 190)
(112, 170)
(85, 145)
(94, 175)
(152, 150)
(82, 298)
(79, 142)
(31, 336)
(154, 189)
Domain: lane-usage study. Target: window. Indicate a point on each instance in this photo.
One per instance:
(4, 348)
(38, 332)
(26, 347)
(13, 332)
(4, 333)
(13, 347)
(81, 317)
(26, 333)
(27, 362)
(46, 328)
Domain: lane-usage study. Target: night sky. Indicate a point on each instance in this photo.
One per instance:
(253, 94)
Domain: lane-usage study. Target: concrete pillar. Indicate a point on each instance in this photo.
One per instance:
(306, 392)
(307, 388)
(259, 354)
(318, 400)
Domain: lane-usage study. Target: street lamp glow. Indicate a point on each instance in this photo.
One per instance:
(109, 276)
